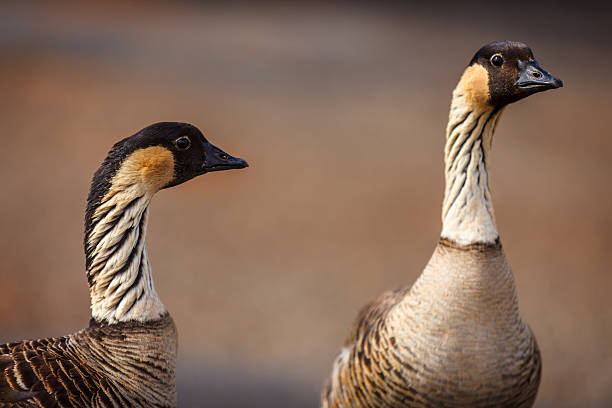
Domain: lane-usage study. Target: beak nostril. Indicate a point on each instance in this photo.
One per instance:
(223, 157)
(536, 74)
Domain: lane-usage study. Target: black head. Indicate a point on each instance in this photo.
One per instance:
(513, 72)
(159, 156)
(192, 155)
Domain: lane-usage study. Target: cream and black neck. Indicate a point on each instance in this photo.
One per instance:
(467, 215)
(499, 74)
(121, 285)
(120, 282)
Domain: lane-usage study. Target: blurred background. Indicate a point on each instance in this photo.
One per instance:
(341, 111)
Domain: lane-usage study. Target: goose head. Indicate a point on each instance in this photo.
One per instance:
(503, 72)
(159, 156)
(162, 155)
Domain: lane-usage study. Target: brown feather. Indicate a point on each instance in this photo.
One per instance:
(128, 364)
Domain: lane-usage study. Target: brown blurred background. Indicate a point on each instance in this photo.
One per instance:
(341, 111)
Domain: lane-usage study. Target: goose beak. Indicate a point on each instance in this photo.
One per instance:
(533, 78)
(217, 160)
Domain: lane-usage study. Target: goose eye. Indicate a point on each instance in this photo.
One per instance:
(183, 143)
(497, 60)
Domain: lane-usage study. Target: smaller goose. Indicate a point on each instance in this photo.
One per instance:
(455, 338)
(127, 355)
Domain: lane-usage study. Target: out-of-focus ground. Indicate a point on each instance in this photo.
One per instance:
(341, 111)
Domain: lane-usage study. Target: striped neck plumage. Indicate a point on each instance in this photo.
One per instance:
(467, 215)
(119, 274)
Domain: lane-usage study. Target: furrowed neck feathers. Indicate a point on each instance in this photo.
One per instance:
(120, 282)
(467, 214)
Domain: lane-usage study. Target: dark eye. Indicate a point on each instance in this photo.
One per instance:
(497, 60)
(183, 143)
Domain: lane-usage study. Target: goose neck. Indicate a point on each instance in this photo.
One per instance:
(467, 215)
(118, 270)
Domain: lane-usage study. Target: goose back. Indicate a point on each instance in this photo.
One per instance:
(125, 364)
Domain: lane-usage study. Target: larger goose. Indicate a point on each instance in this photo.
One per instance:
(126, 357)
(455, 338)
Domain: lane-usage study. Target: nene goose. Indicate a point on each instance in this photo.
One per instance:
(455, 338)
(126, 357)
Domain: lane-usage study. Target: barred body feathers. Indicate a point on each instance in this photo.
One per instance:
(126, 364)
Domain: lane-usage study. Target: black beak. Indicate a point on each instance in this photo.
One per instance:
(216, 160)
(533, 78)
